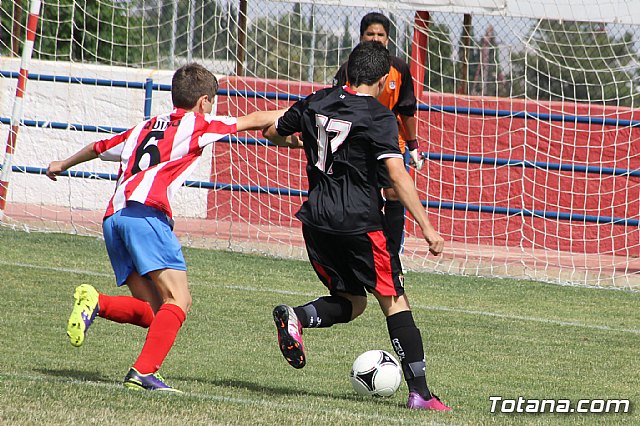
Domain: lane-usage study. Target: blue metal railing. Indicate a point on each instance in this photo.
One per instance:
(188, 183)
(294, 192)
(492, 161)
(149, 87)
(527, 114)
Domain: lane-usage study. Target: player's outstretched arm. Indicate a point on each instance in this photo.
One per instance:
(258, 120)
(56, 167)
(286, 141)
(403, 185)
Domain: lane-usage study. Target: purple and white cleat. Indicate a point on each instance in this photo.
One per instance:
(153, 381)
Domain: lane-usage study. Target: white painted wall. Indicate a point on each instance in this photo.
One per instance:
(88, 105)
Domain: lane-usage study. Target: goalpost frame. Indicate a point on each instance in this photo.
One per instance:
(16, 114)
(419, 49)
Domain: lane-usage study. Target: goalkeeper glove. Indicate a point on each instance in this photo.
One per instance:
(416, 161)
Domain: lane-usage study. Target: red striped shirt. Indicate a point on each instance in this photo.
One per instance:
(158, 155)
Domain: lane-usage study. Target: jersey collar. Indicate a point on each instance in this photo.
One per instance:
(178, 113)
(353, 92)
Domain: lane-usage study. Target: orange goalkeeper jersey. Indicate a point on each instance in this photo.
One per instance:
(398, 94)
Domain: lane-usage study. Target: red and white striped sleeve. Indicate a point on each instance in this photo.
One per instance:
(111, 149)
(217, 128)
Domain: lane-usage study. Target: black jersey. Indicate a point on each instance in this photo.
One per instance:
(398, 94)
(346, 137)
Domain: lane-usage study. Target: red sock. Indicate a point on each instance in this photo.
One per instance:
(160, 337)
(125, 309)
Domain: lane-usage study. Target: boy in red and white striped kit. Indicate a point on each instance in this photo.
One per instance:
(156, 158)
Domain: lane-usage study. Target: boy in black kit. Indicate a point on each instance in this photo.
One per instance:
(348, 135)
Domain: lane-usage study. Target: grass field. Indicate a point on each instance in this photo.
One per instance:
(483, 337)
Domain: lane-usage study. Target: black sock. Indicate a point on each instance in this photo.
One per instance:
(407, 342)
(324, 312)
(394, 224)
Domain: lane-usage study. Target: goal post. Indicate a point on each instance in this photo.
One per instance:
(527, 119)
(17, 109)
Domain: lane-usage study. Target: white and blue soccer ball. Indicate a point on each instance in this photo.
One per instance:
(376, 373)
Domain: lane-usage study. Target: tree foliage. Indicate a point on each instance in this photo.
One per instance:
(132, 33)
(441, 72)
(568, 61)
(484, 74)
(201, 33)
(76, 30)
(13, 21)
(282, 48)
(346, 42)
(577, 61)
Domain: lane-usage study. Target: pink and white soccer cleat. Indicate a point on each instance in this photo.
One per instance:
(289, 335)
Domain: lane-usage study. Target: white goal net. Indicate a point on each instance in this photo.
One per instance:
(528, 120)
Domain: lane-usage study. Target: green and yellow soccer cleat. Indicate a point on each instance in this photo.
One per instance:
(84, 312)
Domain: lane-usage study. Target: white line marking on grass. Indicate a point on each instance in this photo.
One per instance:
(269, 290)
(269, 403)
(295, 293)
(532, 319)
(53, 268)
(454, 310)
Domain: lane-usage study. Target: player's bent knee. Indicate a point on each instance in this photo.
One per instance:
(357, 307)
(184, 301)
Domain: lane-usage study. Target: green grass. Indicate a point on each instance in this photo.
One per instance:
(483, 337)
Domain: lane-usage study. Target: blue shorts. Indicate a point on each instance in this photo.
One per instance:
(139, 238)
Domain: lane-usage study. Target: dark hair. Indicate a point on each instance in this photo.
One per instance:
(374, 18)
(368, 61)
(189, 83)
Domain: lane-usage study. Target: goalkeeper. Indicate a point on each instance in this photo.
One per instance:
(398, 95)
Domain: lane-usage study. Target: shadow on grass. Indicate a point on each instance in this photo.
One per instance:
(85, 376)
(94, 376)
(284, 391)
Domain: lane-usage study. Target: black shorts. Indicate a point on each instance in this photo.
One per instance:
(354, 263)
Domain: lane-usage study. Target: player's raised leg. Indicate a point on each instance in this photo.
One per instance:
(89, 303)
(323, 312)
(85, 309)
(289, 335)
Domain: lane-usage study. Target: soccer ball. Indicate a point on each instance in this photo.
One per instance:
(376, 373)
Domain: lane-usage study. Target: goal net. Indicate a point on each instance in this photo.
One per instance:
(528, 123)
